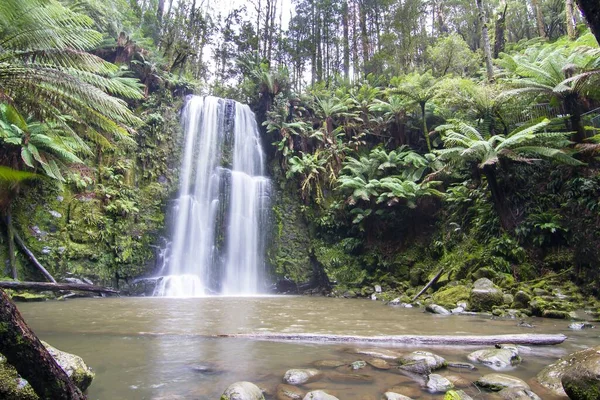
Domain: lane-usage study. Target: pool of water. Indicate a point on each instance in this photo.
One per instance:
(162, 348)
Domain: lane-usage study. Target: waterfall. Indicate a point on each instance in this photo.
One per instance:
(218, 237)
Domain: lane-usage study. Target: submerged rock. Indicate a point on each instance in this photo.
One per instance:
(457, 395)
(301, 376)
(376, 353)
(496, 358)
(577, 326)
(243, 391)
(319, 395)
(497, 382)
(329, 363)
(349, 378)
(518, 394)
(379, 363)
(360, 364)
(395, 396)
(289, 392)
(438, 384)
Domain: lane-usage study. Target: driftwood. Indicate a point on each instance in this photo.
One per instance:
(55, 287)
(34, 260)
(30, 358)
(431, 282)
(489, 340)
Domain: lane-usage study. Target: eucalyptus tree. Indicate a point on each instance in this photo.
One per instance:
(466, 145)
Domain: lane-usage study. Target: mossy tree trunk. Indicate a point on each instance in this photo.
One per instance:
(507, 219)
(28, 355)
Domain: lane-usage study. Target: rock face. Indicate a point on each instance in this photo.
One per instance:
(497, 382)
(581, 380)
(551, 376)
(301, 376)
(496, 358)
(319, 395)
(243, 391)
(485, 295)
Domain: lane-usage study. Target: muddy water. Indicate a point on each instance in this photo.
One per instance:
(157, 348)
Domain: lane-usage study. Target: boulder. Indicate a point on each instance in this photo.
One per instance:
(80, 374)
(581, 381)
(289, 392)
(485, 295)
(319, 395)
(432, 361)
(438, 384)
(496, 358)
(436, 309)
(243, 391)
(450, 296)
(551, 376)
(457, 395)
(301, 376)
(517, 393)
(521, 300)
(394, 396)
(497, 382)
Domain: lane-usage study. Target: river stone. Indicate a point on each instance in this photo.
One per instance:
(485, 295)
(518, 394)
(581, 380)
(551, 376)
(377, 353)
(356, 365)
(349, 378)
(432, 361)
(395, 396)
(497, 382)
(521, 300)
(459, 381)
(436, 309)
(80, 374)
(438, 384)
(289, 392)
(495, 358)
(329, 363)
(243, 391)
(301, 376)
(319, 395)
(460, 365)
(379, 363)
(457, 395)
(577, 326)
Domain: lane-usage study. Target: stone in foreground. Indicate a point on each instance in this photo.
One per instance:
(551, 376)
(80, 374)
(518, 394)
(496, 358)
(301, 376)
(243, 391)
(497, 382)
(581, 380)
(457, 395)
(432, 361)
(438, 384)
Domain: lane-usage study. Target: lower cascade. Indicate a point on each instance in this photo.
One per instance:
(218, 236)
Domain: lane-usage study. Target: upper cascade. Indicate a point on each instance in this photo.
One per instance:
(218, 236)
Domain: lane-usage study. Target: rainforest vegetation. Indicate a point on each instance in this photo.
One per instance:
(403, 136)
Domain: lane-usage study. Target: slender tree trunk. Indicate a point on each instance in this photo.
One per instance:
(10, 233)
(539, 18)
(569, 13)
(507, 219)
(485, 38)
(160, 10)
(425, 130)
(500, 38)
(346, 40)
(32, 257)
(591, 11)
(572, 106)
(364, 38)
(30, 358)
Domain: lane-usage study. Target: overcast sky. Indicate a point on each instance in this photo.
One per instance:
(225, 6)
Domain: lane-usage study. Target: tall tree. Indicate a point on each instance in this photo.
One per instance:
(570, 18)
(485, 38)
(591, 11)
(539, 18)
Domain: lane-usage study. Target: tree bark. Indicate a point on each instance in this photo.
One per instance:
(523, 339)
(572, 106)
(425, 130)
(346, 40)
(539, 18)
(591, 12)
(10, 234)
(485, 38)
(569, 14)
(507, 219)
(55, 287)
(30, 358)
(500, 38)
(431, 282)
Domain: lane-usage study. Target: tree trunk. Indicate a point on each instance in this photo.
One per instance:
(539, 18)
(364, 36)
(507, 219)
(571, 104)
(346, 40)
(425, 130)
(485, 38)
(591, 12)
(500, 38)
(30, 358)
(569, 13)
(10, 234)
(55, 287)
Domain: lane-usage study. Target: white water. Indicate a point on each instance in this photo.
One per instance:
(220, 215)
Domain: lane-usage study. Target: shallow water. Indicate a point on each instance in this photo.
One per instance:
(157, 348)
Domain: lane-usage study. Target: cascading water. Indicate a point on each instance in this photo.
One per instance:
(221, 212)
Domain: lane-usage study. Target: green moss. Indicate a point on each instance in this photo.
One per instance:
(11, 385)
(449, 297)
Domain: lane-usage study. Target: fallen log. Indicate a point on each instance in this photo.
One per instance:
(431, 282)
(30, 358)
(488, 340)
(55, 287)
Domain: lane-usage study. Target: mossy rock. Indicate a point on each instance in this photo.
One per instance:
(457, 395)
(27, 297)
(485, 296)
(485, 272)
(582, 380)
(76, 369)
(12, 386)
(450, 296)
(416, 276)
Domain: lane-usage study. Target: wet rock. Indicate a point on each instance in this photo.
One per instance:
(243, 391)
(376, 353)
(518, 394)
(556, 314)
(497, 382)
(485, 295)
(206, 369)
(460, 365)
(395, 396)
(432, 361)
(377, 289)
(436, 309)
(319, 395)
(26, 297)
(329, 363)
(373, 297)
(581, 380)
(508, 299)
(524, 324)
(379, 363)
(410, 391)
(495, 358)
(577, 326)
(451, 296)
(457, 310)
(438, 384)
(416, 367)
(459, 381)
(76, 369)
(301, 376)
(356, 365)
(457, 395)
(521, 300)
(349, 378)
(289, 392)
